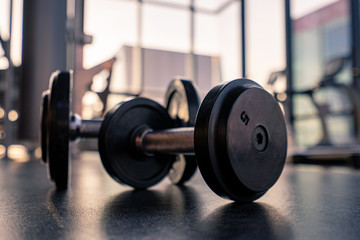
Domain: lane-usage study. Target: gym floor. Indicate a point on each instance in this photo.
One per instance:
(306, 203)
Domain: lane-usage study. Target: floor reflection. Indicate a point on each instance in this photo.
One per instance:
(56, 204)
(177, 213)
(151, 213)
(70, 219)
(254, 220)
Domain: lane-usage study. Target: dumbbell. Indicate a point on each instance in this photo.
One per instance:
(59, 126)
(239, 141)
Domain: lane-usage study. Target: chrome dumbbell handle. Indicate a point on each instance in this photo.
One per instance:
(170, 141)
(80, 128)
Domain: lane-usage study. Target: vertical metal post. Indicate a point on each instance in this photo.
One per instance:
(289, 62)
(44, 51)
(75, 46)
(75, 51)
(192, 61)
(70, 35)
(355, 42)
(78, 39)
(140, 50)
(243, 39)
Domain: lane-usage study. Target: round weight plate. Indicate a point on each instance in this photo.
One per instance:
(58, 135)
(182, 102)
(117, 148)
(240, 140)
(44, 125)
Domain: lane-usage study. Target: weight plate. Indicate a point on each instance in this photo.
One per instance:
(58, 135)
(117, 148)
(240, 140)
(44, 125)
(182, 102)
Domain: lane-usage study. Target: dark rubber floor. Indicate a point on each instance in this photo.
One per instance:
(306, 203)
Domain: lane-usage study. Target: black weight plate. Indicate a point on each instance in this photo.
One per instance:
(44, 125)
(182, 102)
(240, 140)
(117, 149)
(58, 135)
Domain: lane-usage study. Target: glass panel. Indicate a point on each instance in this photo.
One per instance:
(265, 38)
(166, 37)
(304, 107)
(166, 28)
(112, 25)
(308, 131)
(304, 7)
(206, 34)
(229, 42)
(211, 5)
(171, 2)
(341, 129)
(321, 58)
